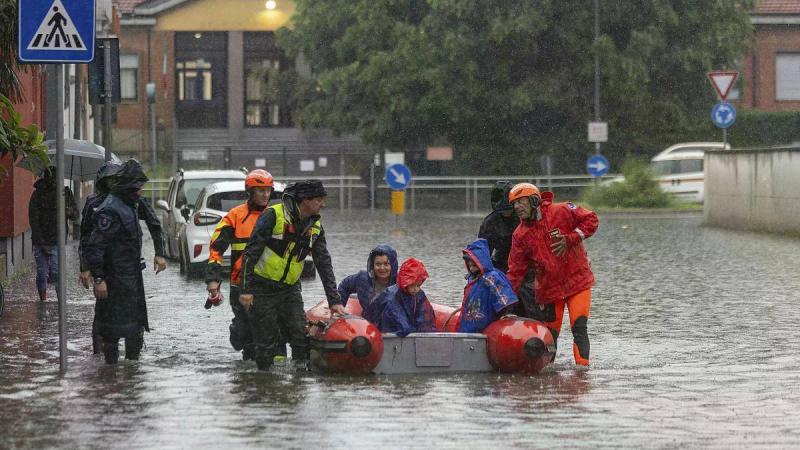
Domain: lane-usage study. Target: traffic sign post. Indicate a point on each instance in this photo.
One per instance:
(723, 81)
(597, 166)
(723, 114)
(398, 177)
(55, 32)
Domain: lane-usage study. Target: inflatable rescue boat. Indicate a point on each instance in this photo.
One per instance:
(351, 344)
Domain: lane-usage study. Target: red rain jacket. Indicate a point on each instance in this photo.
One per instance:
(557, 277)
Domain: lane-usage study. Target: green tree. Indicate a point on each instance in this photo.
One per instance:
(15, 139)
(507, 81)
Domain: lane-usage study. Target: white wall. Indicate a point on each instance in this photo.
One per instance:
(756, 189)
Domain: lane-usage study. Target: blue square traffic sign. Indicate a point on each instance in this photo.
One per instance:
(55, 31)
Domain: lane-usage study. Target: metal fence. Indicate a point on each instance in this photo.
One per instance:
(448, 192)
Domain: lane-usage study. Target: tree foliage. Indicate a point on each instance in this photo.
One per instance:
(639, 189)
(505, 82)
(15, 139)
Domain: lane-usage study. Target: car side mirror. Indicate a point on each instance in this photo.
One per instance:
(162, 205)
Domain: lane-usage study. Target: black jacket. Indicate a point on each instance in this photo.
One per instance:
(497, 230)
(113, 252)
(146, 213)
(43, 212)
(262, 237)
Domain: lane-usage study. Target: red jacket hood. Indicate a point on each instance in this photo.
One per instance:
(412, 271)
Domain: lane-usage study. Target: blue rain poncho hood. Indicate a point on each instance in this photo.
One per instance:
(486, 294)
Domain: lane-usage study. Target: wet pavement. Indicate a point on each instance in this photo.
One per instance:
(694, 345)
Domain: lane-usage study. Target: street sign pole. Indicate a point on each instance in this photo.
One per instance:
(62, 219)
(107, 98)
(57, 33)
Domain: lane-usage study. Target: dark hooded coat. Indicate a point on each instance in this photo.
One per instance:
(113, 252)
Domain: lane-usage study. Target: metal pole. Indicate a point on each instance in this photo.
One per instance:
(596, 69)
(107, 97)
(61, 218)
(153, 144)
(372, 187)
(341, 180)
(724, 138)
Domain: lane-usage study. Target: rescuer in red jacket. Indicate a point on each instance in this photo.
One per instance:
(549, 239)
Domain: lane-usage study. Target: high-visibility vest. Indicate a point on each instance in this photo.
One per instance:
(288, 267)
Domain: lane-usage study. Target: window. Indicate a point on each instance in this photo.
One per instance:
(194, 80)
(128, 76)
(787, 76)
(261, 53)
(225, 201)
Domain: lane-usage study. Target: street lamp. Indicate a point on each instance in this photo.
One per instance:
(271, 4)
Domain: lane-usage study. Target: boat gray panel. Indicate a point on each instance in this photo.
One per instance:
(434, 353)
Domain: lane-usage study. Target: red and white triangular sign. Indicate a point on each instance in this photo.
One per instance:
(723, 81)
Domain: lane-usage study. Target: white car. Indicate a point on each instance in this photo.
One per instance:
(182, 194)
(213, 203)
(679, 169)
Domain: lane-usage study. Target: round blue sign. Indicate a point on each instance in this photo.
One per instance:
(398, 176)
(597, 166)
(723, 114)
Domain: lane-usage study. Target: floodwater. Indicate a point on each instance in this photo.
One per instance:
(694, 345)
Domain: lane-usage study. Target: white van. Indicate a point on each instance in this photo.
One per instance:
(679, 169)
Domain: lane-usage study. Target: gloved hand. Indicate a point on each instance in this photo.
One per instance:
(214, 294)
(214, 299)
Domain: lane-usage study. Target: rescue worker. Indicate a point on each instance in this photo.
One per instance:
(499, 225)
(234, 231)
(103, 182)
(497, 229)
(271, 267)
(403, 308)
(113, 255)
(487, 295)
(369, 284)
(549, 239)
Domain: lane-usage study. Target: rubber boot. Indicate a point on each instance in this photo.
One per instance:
(111, 350)
(42, 296)
(133, 347)
(580, 346)
(263, 357)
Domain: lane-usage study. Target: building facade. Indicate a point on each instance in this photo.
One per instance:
(210, 112)
(771, 72)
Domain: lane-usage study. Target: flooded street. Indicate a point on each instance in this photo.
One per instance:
(694, 344)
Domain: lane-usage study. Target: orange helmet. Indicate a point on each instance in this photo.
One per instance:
(258, 178)
(522, 190)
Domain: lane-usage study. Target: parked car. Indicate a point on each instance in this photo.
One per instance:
(213, 202)
(679, 169)
(184, 188)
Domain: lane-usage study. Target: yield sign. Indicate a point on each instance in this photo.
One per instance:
(722, 81)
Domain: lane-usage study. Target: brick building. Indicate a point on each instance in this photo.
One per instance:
(771, 73)
(210, 112)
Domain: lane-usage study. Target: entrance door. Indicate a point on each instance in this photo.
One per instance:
(201, 90)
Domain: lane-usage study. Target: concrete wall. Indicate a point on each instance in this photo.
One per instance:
(756, 189)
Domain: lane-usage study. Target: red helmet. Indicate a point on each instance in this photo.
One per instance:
(522, 190)
(258, 178)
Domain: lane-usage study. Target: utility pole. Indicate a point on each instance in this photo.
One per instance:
(596, 70)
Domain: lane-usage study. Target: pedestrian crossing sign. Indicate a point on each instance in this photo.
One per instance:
(56, 31)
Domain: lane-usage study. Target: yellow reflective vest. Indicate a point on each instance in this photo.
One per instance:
(288, 266)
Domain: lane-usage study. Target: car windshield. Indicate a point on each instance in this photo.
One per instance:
(224, 201)
(189, 190)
